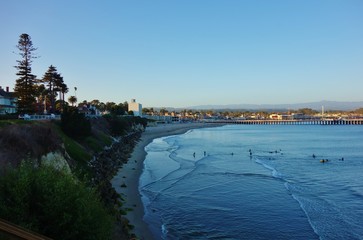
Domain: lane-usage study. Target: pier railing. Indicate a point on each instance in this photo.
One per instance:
(292, 122)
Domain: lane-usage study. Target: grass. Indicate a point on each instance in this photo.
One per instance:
(4, 123)
(98, 142)
(94, 144)
(106, 139)
(76, 151)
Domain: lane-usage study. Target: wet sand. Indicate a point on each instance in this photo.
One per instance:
(130, 173)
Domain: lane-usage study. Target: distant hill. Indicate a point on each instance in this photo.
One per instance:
(328, 105)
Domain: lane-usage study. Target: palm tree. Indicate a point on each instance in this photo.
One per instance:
(72, 100)
(64, 89)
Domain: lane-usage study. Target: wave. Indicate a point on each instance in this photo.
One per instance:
(274, 171)
(324, 215)
(324, 199)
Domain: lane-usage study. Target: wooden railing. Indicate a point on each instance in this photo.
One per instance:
(13, 232)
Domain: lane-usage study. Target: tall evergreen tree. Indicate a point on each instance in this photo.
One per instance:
(61, 88)
(55, 84)
(49, 81)
(25, 85)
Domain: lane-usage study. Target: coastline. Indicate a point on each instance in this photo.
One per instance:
(131, 171)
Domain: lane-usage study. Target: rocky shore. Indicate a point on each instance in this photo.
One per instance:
(105, 165)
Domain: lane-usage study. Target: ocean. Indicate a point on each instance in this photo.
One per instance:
(256, 182)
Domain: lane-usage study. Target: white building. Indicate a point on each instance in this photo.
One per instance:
(7, 101)
(135, 107)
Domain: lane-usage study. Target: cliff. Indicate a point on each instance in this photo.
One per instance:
(93, 159)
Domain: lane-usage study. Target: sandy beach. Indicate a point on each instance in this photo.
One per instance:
(129, 174)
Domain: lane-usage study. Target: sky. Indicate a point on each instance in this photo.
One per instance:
(180, 53)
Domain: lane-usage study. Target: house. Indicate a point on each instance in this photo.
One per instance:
(89, 110)
(280, 116)
(135, 107)
(275, 116)
(7, 101)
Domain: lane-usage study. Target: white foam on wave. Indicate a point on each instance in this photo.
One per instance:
(303, 205)
(164, 232)
(273, 170)
(323, 216)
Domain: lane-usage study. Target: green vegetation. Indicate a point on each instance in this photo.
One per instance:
(359, 111)
(77, 152)
(94, 144)
(52, 203)
(75, 124)
(25, 85)
(72, 100)
(120, 125)
(33, 194)
(52, 84)
(34, 95)
(8, 122)
(8, 117)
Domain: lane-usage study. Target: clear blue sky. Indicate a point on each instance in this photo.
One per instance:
(192, 52)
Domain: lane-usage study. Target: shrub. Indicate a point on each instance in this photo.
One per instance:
(75, 124)
(121, 125)
(52, 203)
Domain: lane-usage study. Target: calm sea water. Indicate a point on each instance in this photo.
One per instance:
(256, 182)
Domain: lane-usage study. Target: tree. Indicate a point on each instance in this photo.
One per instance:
(75, 124)
(72, 100)
(54, 83)
(95, 102)
(41, 93)
(145, 111)
(117, 109)
(359, 111)
(25, 85)
(163, 111)
(63, 89)
(49, 81)
(109, 106)
(102, 106)
(307, 111)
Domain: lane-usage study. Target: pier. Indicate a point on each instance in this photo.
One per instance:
(292, 122)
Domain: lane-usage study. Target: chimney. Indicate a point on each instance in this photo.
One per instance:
(7, 89)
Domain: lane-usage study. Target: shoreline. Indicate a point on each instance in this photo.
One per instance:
(129, 174)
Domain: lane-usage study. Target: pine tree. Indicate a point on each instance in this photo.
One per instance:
(54, 84)
(49, 81)
(62, 88)
(25, 89)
